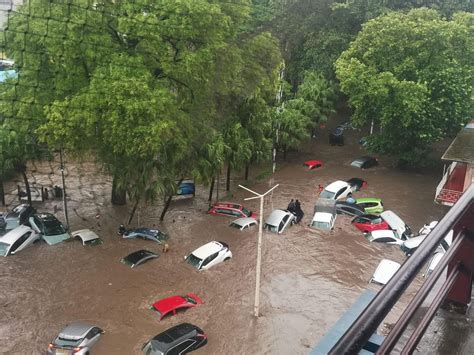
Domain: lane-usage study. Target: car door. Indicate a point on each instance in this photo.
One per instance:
(209, 261)
(182, 348)
(93, 336)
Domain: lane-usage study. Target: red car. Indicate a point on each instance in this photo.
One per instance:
(311, 164)
(231, 209)
(369, 222)
(174, 304)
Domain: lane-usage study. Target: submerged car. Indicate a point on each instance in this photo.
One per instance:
(231, 209)
(208, 255)
(384, 272)
(357, 183)
(186, 188)
(17, 239)
(244, 223)
(312, 164)
(144, 233)
(172, 305)
(369, 222)
(77, 338)
(409, 246)
(399, 231)
(86, 236)
(350, 209)
(365, 162)
(337, 190)
(138, 257)
(181, 339)
(17, 216)
(370, 205)
(279, 220)
(51, 229)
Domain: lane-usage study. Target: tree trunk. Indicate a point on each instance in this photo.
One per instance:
(227, 186)
(211, 190)
(119, 195)
(2, 193)
(27, 184)
(247, 166)
(132, 214)
(168, 202)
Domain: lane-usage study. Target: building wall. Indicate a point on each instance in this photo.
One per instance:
(469, 178)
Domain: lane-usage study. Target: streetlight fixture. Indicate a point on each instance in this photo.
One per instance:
(259, 245)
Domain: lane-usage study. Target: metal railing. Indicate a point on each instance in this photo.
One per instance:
(457, 287)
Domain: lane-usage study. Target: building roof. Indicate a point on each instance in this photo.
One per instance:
(462, 147)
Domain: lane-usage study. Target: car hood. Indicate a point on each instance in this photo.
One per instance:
(86, 235)
(55, 239)
(384, 272)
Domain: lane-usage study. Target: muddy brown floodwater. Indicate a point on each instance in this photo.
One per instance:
(308, 278)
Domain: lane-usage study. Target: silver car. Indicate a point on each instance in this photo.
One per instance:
(279, 220)
(77, 338)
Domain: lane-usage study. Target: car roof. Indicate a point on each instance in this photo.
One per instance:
(336, 186)
(45, 216)
(276, 216)
(136, 256)
(14, 234)
(168, 304)
(415, 241)
(368, 199)
(394, 221)
(76, 330)
(244, 221)
(85, 234)
(164, 340)
(228, 204)
(363, 159)
(208, 249)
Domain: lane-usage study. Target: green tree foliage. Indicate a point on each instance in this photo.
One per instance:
(412, 74)
(152, 88)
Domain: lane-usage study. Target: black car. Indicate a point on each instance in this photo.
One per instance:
(180, 339)
(17, 216)
(138, 257)
(357, 183)
(365, 162)
(350, 209)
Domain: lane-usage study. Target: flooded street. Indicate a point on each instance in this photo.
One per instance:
(309, 278)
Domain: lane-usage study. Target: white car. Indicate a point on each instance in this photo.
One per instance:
(17, 239)
(86, 236)
(398, 233)
(323, 220)
(337, 190)
(244, 223)
(409, 246)
(279, 220)
(384, 272)
(208, 255)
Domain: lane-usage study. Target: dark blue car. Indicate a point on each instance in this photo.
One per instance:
(186, 188)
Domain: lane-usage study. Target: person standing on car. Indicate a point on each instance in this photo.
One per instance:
(291, 206)
(298, 211)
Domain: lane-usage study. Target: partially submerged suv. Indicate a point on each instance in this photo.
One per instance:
(180, 339)
(324, 214)
(208, 255)
(279, 220)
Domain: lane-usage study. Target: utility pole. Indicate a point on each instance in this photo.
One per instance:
(61, 167)
(259, 246)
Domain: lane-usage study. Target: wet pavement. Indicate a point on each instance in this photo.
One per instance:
(309, 278)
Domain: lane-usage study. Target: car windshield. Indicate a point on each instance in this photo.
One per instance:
(327, 194)
(235, 225)
(271, 228)
(190, 300)
(67, 342)
(53, 228)
(376, 220)
(193, 260)
(320, 225)
(149, 350)
(4, 248)
(246, 212)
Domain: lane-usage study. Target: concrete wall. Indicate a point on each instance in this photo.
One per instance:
(5, 7)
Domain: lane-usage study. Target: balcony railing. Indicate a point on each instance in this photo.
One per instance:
(456, 289)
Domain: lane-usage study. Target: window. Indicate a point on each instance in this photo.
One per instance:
(38, 224)
(19, 242)
(93, 332)
(181, 348)
(209, 259)
(339, 193)
(371, 204)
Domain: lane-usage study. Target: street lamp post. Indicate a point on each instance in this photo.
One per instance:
(259, 245)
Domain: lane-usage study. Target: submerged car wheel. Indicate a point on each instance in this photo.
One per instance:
(226, 259)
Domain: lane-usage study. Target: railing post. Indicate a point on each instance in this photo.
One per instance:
(460, 295)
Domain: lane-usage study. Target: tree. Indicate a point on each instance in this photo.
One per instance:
(412, 74)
